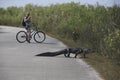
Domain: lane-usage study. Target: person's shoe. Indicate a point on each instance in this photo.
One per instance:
(28, 40)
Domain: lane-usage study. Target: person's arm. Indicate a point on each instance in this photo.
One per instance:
(27, 19)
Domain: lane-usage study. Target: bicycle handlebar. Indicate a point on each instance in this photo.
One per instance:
(34, 26)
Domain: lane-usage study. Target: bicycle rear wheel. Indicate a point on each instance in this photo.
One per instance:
(39, 36)
(21, 36)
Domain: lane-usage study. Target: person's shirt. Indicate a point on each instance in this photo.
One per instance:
(27, 19)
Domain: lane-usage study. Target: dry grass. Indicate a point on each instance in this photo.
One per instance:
(107, 68)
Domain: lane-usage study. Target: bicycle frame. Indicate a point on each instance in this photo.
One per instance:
(33, 32)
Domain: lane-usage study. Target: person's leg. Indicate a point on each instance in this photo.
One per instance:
(28, 31)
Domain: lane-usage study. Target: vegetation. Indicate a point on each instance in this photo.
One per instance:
(95, 27)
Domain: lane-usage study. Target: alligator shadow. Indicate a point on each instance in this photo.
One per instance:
(33, 42)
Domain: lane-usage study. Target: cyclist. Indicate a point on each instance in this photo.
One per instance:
(27, 21)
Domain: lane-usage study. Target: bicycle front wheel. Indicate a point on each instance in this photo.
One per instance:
(21, 36)
(39, 36)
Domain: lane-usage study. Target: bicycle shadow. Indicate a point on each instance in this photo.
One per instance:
(1, 31)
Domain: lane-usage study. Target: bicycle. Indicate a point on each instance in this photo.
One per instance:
(39, 36)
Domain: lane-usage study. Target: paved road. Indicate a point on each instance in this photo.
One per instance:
(18, 61)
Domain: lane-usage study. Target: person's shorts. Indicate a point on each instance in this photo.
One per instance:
(27, 26)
